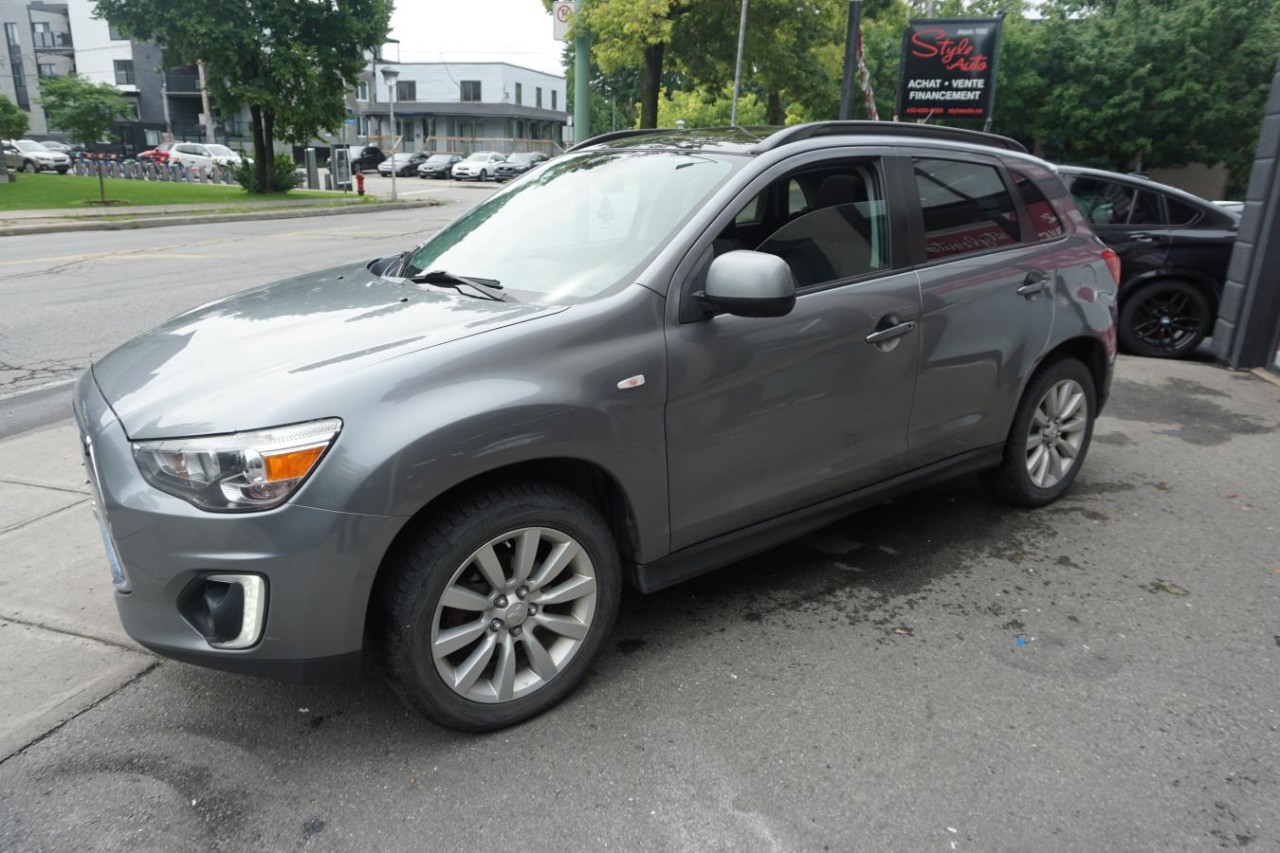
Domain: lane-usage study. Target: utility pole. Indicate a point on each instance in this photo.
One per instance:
(581, 80)
(737, 68)
(850, 59)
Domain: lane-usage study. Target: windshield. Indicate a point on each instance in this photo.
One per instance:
(479, 156)
(402, 158)
(435, 159)
(520, 159)
(221, 151)
(579, 227)
(29, 145)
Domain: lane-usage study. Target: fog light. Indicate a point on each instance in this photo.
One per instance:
(227, 610)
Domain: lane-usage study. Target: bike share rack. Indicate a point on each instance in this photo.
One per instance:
(136, 170)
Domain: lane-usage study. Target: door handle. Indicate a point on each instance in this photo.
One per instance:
(1035, 282)
(891, 332)
(1140, 237)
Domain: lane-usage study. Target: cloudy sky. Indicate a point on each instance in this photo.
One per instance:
(515, 31)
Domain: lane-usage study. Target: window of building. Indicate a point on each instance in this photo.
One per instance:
(407, 90)
(19, 75)
(40, 26)
(124, 72)
(11, 34)
(115, 35)
(553, 99)
(1043, 216)
(538, 97)
(966, 207)
(47, 69)
(152, 136)
(362, 90)
(519, 94)
(471, 90)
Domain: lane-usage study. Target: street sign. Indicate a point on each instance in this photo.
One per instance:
(561, 14)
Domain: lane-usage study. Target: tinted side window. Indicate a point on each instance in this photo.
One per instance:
(1180, 213)
(1146, 209)
(1043, 217)
(966, 208)
(1103, 202)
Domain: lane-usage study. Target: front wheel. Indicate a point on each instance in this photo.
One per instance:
(495, 610)
(1049, 438)
(29, 167)
(1164, 319)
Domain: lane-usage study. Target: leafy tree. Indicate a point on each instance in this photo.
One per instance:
(87, 111)
(699, 109)
(290, 62)
(13, 120)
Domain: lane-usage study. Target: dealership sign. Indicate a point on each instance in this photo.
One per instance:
(949, 69)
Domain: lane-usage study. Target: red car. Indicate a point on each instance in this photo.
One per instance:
(159, 154)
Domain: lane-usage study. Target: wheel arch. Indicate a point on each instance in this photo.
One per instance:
(588, 480)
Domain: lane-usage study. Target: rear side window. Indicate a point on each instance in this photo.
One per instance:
(1110, 203)
(1043, 217)
(1180, 213)
(966, 208)
(1146, 209)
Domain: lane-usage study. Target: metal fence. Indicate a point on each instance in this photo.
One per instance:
(142, 170)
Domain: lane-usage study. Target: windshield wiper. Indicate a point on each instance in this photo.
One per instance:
(487, 287)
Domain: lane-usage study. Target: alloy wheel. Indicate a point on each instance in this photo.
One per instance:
(513, 615)
(1057, 433)
(1168, 320)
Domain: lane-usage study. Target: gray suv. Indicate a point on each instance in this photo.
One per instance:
(651, 357)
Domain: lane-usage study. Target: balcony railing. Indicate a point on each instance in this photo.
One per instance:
(45, 40)
(181, 83)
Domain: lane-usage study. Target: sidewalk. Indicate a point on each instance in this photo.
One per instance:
(17, 222)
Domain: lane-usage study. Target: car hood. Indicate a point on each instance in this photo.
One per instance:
(248, 361)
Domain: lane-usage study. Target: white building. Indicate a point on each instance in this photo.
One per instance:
(460, 107)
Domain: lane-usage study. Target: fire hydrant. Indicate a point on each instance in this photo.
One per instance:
(359, 183)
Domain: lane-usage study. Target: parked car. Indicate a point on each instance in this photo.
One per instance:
(159, 154)
(55, 145)
(673, 350)
(404, 163)
(480, 166)
(438, 165)
(203, 155)
(365, 157)
(30, 156)
(1174, 252)
(519, 163)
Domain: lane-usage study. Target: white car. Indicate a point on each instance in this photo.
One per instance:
(480, 166)
(204, 155)
(30, 156)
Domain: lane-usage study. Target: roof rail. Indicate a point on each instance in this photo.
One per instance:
(799, 132)
(618, 134)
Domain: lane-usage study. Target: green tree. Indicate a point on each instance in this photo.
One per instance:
(289, 62)
(13, 120)
(87, 111)
(701, 109)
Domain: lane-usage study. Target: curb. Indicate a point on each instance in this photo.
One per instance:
(162, 222)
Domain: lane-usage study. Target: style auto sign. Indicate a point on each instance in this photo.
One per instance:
(948, 69)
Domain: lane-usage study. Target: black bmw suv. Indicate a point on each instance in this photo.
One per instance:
(1174, 251)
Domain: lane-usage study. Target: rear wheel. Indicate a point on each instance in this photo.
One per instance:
(1165, 319)
(1049, 438)
(495, 610)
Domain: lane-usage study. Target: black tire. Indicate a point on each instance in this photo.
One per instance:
(435, 558)
(1165, 319)
(1012, 481)
(29, 167)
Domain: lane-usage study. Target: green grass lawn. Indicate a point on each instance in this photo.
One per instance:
(70, 192)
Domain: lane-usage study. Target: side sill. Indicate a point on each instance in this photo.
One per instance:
(698, 559)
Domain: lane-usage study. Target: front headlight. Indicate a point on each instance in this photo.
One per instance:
(242, 472)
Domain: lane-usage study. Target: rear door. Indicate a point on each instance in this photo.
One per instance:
(986, 285)
(1128, 217)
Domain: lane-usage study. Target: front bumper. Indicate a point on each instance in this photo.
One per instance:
(318, 566)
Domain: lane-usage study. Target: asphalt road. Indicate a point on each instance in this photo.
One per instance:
(69, 298)
(937, 673)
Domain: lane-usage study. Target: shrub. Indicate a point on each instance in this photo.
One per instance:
(284, 175)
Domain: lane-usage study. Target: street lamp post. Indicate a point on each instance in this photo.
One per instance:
(391, 75)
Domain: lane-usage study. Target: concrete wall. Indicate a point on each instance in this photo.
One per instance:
(1205, 181)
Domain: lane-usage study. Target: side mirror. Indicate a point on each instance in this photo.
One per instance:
(749, 284)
